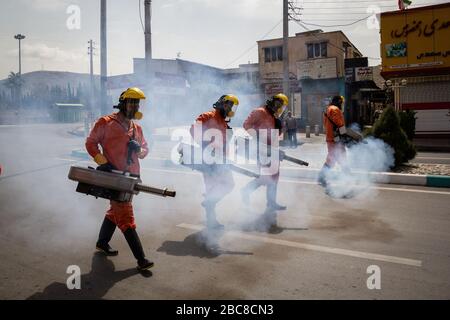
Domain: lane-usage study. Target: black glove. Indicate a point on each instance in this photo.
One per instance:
(108, 167)
(278, 124)
(134, 146)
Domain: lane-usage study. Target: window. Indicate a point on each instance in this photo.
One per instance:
(280, 53)
(323, 49)
(310, 51)
(316, 50)
(267, 55)
(272, 54)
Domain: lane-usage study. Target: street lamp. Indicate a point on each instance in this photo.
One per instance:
(396, 85)
(20, 37)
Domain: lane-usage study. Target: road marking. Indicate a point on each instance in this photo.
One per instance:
(312, 247)
(173, 171)
(431, 158)
(312, 182)
(72, 160)
(378, 188)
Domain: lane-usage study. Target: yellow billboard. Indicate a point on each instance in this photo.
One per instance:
(416, 39)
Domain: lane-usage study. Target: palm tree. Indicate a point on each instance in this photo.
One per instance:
(15, 83)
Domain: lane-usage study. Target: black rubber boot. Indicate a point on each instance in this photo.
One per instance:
(136, 247)
(272, 196)
(105, 235)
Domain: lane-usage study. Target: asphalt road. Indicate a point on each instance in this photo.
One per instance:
(321, 249)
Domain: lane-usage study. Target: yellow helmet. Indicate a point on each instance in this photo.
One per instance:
(282, 97)
(232, 98)
(132, 93)
(228, 98)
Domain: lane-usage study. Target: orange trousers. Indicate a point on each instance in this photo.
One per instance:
(121, 214)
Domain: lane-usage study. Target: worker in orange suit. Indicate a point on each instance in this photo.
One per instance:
(263, 121)
(334, 123)
(122, 145)
(217, 177)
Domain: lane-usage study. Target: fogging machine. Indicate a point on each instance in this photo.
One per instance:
(114, 185)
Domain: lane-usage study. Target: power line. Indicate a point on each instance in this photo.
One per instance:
(307, 29)
(346, 8)
(335, 25)
(328, 20)
(334, 14)
(350, 1)
(140, 16)
(254, 44)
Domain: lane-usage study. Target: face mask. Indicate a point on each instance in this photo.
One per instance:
(132, 112)
(230, 111)
(138, 115)
(279, 111)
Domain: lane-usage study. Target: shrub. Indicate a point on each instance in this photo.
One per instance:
(408, 122)
(388, 129)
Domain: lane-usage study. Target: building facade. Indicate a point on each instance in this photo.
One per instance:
(415, 46)
(316, 70)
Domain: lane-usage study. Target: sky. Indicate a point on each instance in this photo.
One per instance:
(220, 33)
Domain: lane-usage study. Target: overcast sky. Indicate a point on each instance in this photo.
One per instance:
(221, 33)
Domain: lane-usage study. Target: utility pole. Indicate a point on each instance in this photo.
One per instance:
(291, 11)
(148, 29)
(148, 44)
(103, 57)
(91, 73)
(285, 48)
(91, 60)
(20, 37)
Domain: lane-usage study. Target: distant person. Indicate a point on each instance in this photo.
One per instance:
(118, 134)
(377, 114)
(334, 123)
(291, 126)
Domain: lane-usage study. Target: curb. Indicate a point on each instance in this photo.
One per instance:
(312, 174)
(438, 181)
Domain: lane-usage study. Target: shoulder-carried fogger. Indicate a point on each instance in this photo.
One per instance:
(114, 185)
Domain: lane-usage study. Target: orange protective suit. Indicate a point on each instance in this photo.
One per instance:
(218, 179)
(336, 151)
(261, 118)
(110, 132)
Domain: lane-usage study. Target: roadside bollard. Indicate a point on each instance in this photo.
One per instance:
(308, 131)
(316, 129)
(86, 126)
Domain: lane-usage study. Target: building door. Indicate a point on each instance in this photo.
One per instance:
(297, 105)
(316, 104)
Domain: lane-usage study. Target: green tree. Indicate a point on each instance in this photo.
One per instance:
(15, 83)
(388, 129)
